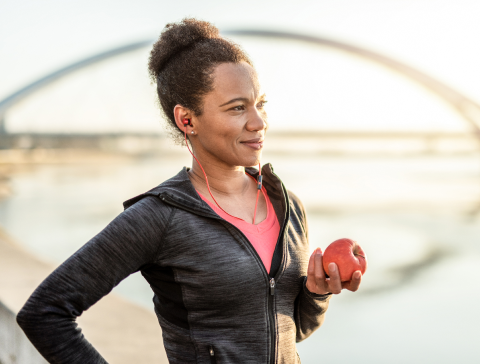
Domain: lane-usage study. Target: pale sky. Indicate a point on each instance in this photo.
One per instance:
(439, 37)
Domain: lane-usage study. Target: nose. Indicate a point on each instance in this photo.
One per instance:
(257, 121)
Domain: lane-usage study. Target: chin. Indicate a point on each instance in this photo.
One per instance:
(246, 164)
(253, 162)
(248, 160)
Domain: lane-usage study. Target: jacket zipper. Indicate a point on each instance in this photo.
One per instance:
(211, 352)
(271, 295)
(271, 282)
(271, 316)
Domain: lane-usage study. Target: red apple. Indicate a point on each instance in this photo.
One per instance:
(347, 255)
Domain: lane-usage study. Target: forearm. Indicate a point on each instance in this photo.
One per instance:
(48, 317)
(56, 336)
(310, 309)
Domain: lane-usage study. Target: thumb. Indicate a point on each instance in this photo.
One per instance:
(311, 283)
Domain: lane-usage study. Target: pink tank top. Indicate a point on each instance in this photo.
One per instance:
(262, 236)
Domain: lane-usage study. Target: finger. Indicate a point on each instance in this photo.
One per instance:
(353, 284)
(311, 273)
(319, 272)
(335, 283)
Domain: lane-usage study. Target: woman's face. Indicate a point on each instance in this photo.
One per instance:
(232, 126)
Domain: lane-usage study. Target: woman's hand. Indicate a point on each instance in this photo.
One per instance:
(317, 281)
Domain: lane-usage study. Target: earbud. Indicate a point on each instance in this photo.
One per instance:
(186, 122)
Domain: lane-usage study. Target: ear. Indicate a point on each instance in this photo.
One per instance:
(180, 114)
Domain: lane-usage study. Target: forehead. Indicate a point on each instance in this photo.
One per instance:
(235, 79)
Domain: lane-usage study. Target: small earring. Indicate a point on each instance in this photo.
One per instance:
(192, 132)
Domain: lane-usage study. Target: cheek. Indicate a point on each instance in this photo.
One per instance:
(225, 128)
(226, 138)
(218, 135)
(230, 130)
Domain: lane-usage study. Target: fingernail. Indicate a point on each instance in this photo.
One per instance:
(332, 267)
(357, 274)
(318, 251)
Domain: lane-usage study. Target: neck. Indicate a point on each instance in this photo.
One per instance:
(224, 180)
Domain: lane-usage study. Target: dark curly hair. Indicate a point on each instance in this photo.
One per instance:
(182, 62)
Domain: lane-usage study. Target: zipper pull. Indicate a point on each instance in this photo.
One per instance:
(272, 286)
(212, 352)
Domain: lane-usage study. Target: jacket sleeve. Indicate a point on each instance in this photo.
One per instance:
(310, 307)
(310, 311)
(128, 243)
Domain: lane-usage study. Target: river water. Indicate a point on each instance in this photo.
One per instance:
(414, 216)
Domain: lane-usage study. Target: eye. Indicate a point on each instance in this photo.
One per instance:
(261, 104)
(238, 108)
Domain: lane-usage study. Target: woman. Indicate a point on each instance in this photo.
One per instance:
(228, 265)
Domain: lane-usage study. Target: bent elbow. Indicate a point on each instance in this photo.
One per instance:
(32, 315)
(25, 318)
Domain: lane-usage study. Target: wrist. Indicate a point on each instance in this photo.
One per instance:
(313, 289)
(309, 287)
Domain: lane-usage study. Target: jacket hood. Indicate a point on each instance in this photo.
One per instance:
(180, 191)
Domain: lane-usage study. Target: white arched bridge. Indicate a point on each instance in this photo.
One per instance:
(465, 106)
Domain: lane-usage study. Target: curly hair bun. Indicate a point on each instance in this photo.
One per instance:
(182, 62)
(176, 37)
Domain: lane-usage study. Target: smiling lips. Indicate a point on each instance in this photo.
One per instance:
(256, 143)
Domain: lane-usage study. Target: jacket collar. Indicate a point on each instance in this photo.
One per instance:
(180, 192)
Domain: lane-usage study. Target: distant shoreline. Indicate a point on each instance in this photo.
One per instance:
(277, 141)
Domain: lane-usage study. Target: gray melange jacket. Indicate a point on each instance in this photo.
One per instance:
(214, 299)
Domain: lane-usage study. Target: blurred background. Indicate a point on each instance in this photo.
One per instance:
(374, 124)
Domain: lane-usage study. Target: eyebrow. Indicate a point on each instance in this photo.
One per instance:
(241, 99)
(233, 100)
